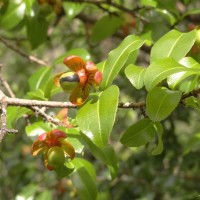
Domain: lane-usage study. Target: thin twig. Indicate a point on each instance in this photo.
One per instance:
(30, 58)
(132, 105)
(192, 93)
(47, 117)
(5, 84)
(36, 105)
(27, 102)
(57, 104)
(114, 5)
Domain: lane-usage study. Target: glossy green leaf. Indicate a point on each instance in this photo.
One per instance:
(174, 44)
(135, 74)
(167, 15)
(36, 27)
(13, 15)
(29, 4)
(101, 65)
(177, 78)
(168, 5)
(189, 84)
(40, 78)
(84, 54)
(105, 27)
(118, 57)
(51, 89)
(154, 31)
(13, 114)
(84, 179)
(161, 102)
(37, 128)
(105, 154)
(72, 9)
(193, 102)
(94, 118)
(160, 70)
(139, 133)
(37, 94)
(64, 170)
(159, 130)
(132, 57)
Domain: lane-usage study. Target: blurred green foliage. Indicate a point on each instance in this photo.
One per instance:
(51, 31)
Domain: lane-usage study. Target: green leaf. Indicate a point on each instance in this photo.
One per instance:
(64, 170)
(118, 57)
(177, 78)
(139, 134)
(135, 74)
(96, 117)
(36, 27)
(84, 179)
(13, 114)
(44, 195)
(29, 4)
(40, 78)
(189, 84)
(105, 154)
(37, 128)
(37, 94)
(155, 30)
(78, 52)
(193, 102)
(174, 44)
(72, 9)
(161, 102)
(13, 15)
(159, 130)
(168, 16)
(160, 70)
(168, 5)
(50, 88)
(105, 27)
(132, 57)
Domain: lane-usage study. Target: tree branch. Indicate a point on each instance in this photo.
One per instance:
(47, 117)
(30, 58)
(56, 104)
(3, 128)
(100, 4)
(36, 105)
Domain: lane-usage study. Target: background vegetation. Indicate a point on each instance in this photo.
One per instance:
(35, 36)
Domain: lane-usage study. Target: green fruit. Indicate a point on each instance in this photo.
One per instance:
(55, 157)
(69, 81)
